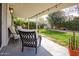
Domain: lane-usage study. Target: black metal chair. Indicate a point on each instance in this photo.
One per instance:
(29, 39)
(13, 34)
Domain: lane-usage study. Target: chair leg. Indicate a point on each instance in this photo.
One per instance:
(36, 50)
(22, 48)
(40, 41)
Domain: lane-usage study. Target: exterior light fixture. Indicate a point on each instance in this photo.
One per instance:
(56, 6)
(11, 10)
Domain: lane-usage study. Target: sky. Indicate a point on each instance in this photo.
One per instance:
(71, 11)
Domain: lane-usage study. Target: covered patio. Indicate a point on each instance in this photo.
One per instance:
(48, 48)
(30, 11)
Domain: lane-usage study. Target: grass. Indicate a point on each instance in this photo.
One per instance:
(59, 37)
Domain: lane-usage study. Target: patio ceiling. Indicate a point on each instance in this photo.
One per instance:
(26, 10)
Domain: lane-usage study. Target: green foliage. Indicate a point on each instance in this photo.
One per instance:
(41, 26)
(32, 25)
(56, 21)
(18, 22)
(72, 25)
(59, 37)
(24, 24)
(73, 43)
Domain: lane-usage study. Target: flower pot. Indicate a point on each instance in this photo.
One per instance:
(73, 52)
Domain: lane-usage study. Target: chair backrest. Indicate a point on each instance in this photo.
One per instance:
(28, 38)
(9, 32)
(12, 29)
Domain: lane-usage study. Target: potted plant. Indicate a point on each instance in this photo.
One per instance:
(73, 48)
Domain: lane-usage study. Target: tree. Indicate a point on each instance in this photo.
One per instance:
(72, 24)
(24, 24)
(50, 21)
(41, 22)
(56, 19)
(18, 22)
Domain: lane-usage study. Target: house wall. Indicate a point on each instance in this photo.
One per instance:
(4, 26)
(6, 21)
(8, 17)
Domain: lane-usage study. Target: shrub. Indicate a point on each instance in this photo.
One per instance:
(72, 25)
(19, 22)
(32, 25)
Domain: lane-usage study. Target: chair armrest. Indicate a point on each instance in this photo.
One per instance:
(13, 33)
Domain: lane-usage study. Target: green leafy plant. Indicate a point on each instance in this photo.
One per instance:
(32, 25)
(72, 25)
(18, 22)
(24, 24)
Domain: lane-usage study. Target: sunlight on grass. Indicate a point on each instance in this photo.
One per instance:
(60, 37)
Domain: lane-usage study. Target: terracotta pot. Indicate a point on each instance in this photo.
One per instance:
(73, 52)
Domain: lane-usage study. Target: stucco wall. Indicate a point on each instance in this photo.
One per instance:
(5, 24)
(8, 17)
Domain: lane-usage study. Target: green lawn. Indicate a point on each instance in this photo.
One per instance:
(59, 37)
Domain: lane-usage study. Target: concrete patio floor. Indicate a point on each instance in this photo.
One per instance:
(48, 48)
(54, 48)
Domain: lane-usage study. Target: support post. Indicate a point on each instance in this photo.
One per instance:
(36, 23)
(0, 24)
(28, 24)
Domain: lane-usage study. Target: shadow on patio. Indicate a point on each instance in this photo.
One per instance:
(14, 49)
